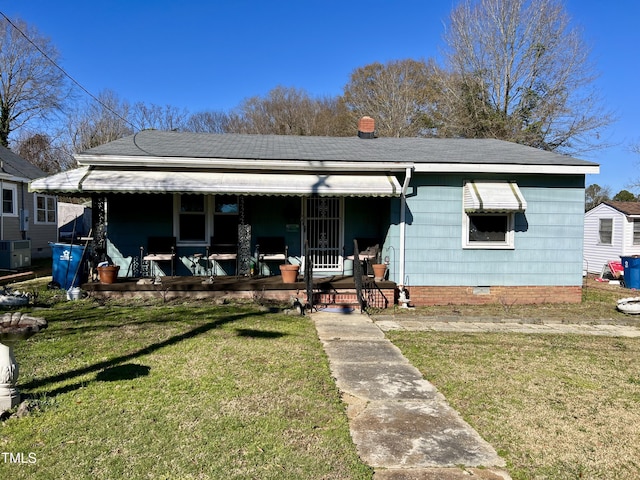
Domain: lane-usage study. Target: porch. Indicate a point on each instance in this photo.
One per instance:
(339, 291)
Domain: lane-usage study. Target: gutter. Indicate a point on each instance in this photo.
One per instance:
(403, 217)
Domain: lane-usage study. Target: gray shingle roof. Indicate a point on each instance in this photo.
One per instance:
(153, 143)
(18, 166)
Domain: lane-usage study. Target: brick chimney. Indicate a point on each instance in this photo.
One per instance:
(366, 127)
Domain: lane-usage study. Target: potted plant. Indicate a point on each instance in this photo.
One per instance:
(289, 272)
(108, 273)
(379, 268)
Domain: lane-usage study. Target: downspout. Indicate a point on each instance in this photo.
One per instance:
(403, 217)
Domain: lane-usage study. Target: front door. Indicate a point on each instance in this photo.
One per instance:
(323, 229)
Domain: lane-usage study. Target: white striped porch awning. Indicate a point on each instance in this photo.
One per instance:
(99, 180)
(485, 196)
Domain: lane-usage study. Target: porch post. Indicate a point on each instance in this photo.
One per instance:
(99, 221)
(403, 218)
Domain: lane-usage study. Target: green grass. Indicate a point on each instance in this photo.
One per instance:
(554, 406)
(177, 390)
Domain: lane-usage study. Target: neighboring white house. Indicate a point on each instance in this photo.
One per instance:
(611, 231)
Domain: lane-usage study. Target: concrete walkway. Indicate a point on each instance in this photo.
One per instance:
(401, 425)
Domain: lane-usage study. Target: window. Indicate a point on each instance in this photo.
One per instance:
(225, 219)
(198, 217)
(489, 213)
(605, 232)
(190, 213)
(636, 232)
(45, 209)
(226, 204)
(9, 194)
(489, 230)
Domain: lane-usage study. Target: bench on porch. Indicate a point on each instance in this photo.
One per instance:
(159, 249)
(222, 252)
(271, 249)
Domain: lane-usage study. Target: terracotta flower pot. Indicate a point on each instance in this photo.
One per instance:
(379, 269)
(108, 274)
(289, 273)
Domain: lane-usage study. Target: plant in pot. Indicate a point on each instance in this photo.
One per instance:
(289, 272)
(379, 268)
(108, 273)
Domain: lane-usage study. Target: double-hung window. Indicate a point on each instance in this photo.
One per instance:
(489, 214)
(191, 215)
(45, 208)
(605, 231)
(9, 202)
(636, 231)
(199, 217)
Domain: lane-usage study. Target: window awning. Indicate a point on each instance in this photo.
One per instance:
(97, 180)
(482, 196)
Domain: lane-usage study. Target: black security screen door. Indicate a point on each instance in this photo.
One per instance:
(323, 228)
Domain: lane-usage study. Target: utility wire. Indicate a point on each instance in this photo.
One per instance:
(66, 74)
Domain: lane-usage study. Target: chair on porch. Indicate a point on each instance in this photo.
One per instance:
(271, 249)
(369, 251)
(159, 249)
(221, 252)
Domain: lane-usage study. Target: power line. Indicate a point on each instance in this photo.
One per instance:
(66, 74)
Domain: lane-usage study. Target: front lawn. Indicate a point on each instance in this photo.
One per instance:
(176, 390)
(553, 406)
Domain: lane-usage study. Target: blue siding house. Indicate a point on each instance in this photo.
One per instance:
(455, 220)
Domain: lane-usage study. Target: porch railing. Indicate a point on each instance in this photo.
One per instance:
(367, 292)
(308, 276)
(359, 277)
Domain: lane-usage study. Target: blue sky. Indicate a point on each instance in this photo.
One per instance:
(210, 55)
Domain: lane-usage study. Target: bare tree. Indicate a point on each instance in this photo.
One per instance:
(31, 86)
(100, 122)
(289, 111)
(400, 95)
(41, 150)
(208, 122)
(520, 72)
(158, 118)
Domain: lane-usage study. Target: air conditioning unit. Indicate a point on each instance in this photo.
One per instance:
(15, 254)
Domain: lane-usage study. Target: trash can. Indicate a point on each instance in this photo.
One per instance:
(631, 267)
(67, 268)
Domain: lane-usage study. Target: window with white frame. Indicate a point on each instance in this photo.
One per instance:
(605, 231)
(489, 230)
(46, 209)
(489, 214)
(9, 202)
(636, 232)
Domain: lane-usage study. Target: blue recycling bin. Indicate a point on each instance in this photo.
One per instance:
(67, 268)
(631, 267)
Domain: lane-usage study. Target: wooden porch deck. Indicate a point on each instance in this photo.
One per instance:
(334, 290)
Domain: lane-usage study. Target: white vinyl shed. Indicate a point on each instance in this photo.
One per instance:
(611, 231)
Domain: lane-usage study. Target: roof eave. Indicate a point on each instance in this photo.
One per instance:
(330, 166)
(239, 163)
(506, 168)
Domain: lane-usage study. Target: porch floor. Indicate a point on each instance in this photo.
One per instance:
(327, 290)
